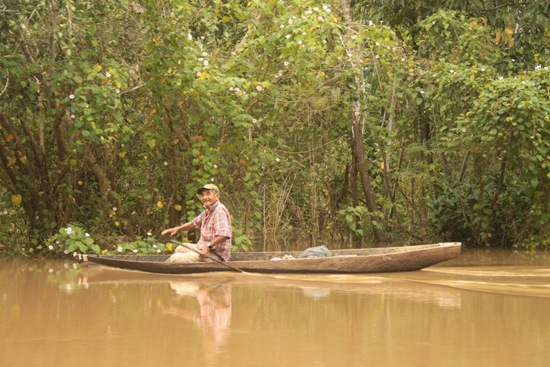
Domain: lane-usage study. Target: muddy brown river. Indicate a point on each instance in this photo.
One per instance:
(481, 310)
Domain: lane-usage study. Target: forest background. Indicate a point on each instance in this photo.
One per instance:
(345, 123)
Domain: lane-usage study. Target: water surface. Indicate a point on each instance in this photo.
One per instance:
(54, 313)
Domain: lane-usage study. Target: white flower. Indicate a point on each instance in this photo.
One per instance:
(119, 249)
(463, 130)
(328, 10)
(212, 179)
(50, 247)
(114, 208)
(287, 36)
(172, 14)
(87, 234)
(108, 75)
(204, 54)
(324, 41)
(50, 270)
(482, 69)
(158, 251)
(300, 42)
(254, 121)
(5, 212)
(73, 116)
(277, 159)
(282, 26)
(165, 163)
(154, 246)
(150, 234)
(200, 59)
(215, 166)
(198, 73)
(316, 9)
(377, 56)
(434, 75)
(117, 90)
(290, 21)
(66, 252)
(205, 62)
(523, 82)
(421, 92)
(320, 18)
(69, 230)
(237, 89)
(71, 96)
(433, 22)
(259, 88)
(452, 71)
(286, 63)
(202, 37)
(403, 59)
(377, 44)
(189, 36)
(135, 251)
(75, 254)
(280, 74)
(501, 78)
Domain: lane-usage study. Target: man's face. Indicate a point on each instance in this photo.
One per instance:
(209, 197)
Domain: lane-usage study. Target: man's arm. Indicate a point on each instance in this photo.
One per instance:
(172, 231)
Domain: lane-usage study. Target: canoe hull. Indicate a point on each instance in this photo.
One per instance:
(392, 259)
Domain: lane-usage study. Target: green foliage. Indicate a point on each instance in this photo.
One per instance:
(72, 239)
(114, 112)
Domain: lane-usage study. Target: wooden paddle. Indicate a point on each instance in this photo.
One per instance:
(212, 258)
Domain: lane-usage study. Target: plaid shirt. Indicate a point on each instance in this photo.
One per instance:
(215, 221)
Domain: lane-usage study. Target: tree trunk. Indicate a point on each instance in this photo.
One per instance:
(379, 235)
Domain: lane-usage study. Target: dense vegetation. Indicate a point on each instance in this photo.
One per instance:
(344, 123)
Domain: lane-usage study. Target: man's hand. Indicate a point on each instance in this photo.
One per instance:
(204, 252)
(171, 231)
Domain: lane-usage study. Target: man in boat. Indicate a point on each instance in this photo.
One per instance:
(215, 226)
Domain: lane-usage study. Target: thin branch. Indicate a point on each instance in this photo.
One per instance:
(6, 86)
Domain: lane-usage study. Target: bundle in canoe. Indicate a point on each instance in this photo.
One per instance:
(369, 260)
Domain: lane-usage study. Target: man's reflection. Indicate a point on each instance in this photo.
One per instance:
(214, 313)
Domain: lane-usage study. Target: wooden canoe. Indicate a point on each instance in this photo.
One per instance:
(369, 260)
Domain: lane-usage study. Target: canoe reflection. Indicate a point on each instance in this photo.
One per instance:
(213, 315)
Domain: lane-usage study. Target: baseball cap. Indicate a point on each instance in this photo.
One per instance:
(208, 187)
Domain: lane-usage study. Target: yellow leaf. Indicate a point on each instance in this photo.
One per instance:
(121, 154)
(8, 137)
(498, 38)
(80, 183)
(104, 252)
(169, 247)
(160, 204)
(178, 207)
(98, 67)
(23, 160)
(153, 112)
(11, 161)
(509, 31)
(382, 165)
(117, 224)
(489, 235)
(16, 199)
(44, 73)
